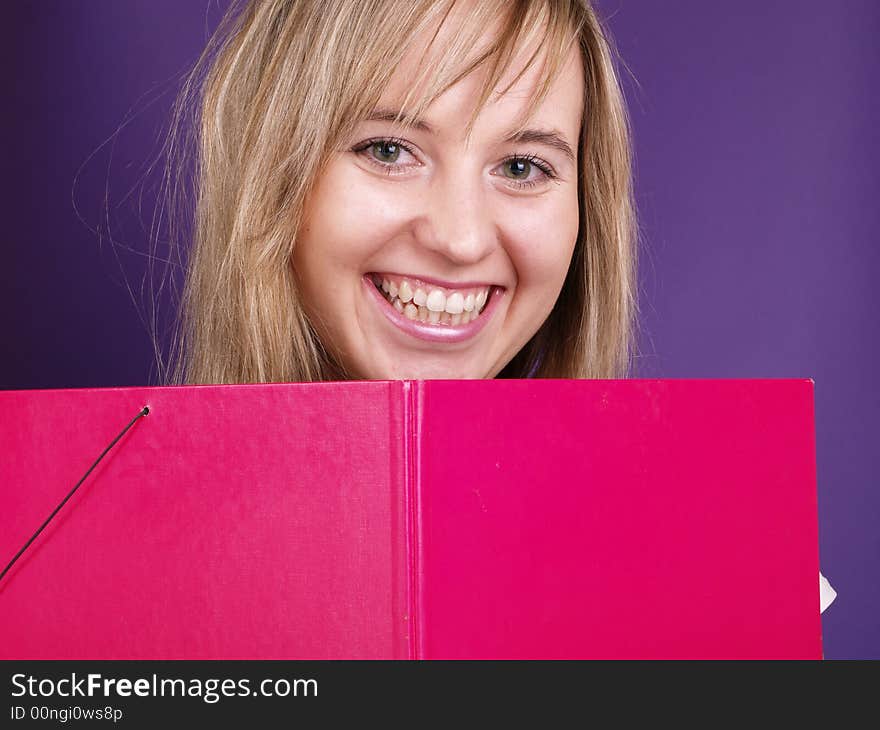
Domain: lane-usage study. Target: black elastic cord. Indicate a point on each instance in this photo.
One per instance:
(143, 412)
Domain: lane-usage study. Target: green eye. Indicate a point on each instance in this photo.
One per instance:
(385, 151)
(517, 169)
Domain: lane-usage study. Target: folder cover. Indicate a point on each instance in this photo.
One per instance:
(542, 519)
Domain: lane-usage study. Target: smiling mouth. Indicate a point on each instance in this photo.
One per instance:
(430, 304)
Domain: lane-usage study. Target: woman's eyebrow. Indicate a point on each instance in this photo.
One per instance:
(545, 137)
(536, 136)
(390, 115)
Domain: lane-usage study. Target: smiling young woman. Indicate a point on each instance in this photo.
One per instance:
(431, 189)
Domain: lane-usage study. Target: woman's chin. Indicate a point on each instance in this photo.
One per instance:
(427, 371)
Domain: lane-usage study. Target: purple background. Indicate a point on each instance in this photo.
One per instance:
(757, 150)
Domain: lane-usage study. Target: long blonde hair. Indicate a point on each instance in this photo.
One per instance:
(283, 82)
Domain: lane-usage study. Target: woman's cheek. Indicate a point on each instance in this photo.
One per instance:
(366, 215)
(541, 243)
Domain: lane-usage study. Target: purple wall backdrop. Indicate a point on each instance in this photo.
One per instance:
(757, 151)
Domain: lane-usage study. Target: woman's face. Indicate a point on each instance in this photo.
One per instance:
(425, 257)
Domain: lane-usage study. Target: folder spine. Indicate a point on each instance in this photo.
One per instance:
(413, 414)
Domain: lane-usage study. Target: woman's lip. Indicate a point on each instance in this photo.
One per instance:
(434, 332)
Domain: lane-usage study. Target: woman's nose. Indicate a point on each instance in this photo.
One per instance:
(456, 221)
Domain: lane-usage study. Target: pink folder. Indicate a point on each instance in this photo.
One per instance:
(408, 519)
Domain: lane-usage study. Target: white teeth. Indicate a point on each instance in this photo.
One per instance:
(405, 292)
(435, 306)
(436, 301)
(455, 303)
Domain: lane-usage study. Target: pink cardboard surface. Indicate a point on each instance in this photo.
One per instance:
(620, 519)
(237, 522)
(409, 519)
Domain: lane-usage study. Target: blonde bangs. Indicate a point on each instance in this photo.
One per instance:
(550, 29)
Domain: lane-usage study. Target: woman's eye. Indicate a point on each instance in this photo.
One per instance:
(517, 169)
(389, 155)
(526, 172)
(385, 151)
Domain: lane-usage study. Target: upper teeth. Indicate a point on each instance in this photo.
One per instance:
(463, 305)
(436, 301)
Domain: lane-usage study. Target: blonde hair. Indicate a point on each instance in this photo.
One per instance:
(283, 82)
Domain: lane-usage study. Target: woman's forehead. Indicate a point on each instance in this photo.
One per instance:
(509, 100)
